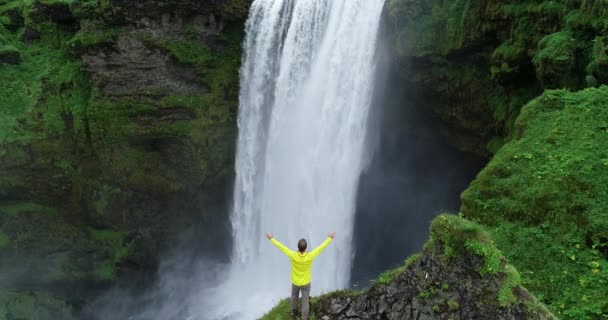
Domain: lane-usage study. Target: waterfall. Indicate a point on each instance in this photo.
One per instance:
(306, 88)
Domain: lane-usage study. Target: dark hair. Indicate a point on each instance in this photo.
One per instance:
(302, 245)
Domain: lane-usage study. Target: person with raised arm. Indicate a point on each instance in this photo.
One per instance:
(301, 267)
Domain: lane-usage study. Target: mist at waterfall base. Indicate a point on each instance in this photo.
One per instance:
(414, 176)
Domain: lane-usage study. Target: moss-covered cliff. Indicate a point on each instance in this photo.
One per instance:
(545, 195)
(117, 126)
(475, 64)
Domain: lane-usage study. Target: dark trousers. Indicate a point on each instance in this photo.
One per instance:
(295, 292)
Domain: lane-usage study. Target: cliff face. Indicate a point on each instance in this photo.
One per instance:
(459, 275)
(488, 70)
(117, 129)
(475, 64)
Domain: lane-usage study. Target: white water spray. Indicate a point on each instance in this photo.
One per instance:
(306, 88)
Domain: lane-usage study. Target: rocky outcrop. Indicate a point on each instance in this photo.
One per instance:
(459, 275)
(430, 289)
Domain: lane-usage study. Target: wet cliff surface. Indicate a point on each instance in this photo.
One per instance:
(488, 70)
(118, 121)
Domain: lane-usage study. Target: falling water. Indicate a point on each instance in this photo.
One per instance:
(306, 88)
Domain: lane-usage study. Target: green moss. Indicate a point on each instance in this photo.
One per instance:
(458, 236)
(12, 209)
(283, 309)
(93, 35)
(411, 259)
(491, 256)
(453, 305)
(555, 61)
(113, 249)
(236, 9)
(40, 93)
(389, 275)
(495, 144)
(545, 193)
(515, 49)
(598, 66)
(432, 27)
(9, 53)
(336, 294)
(280, 312)
(506, 59)
(4, 240)
(511, 280)
(32, 305)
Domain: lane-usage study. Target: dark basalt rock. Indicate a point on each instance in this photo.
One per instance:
(447, 281)
(134, 69)
(9, 56)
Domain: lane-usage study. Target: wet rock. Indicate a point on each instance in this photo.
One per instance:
(436, 287)
(136, 69)
(9, 55)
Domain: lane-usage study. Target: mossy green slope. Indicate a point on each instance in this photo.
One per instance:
(545, 195)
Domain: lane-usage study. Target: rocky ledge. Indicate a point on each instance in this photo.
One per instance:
(459, 275)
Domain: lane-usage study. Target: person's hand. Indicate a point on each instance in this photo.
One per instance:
(332, 235)
(269, 235)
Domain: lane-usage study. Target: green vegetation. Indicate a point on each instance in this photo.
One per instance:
(111, 245)
(92, 36)
(453, 305)
(555, 60)
(40, 92)
(282, 310)
(455, 244)
(545, 193)
(32, 305)
(515, 50)
(458, 238)
(511, 281)
(389, 275)
(411, 259)
(89, 178)
(12, 209)
(4, 240)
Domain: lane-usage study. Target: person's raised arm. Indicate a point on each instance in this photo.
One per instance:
(317, 250)
(279, 245)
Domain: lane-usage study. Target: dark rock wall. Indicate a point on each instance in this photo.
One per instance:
(117, 136)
